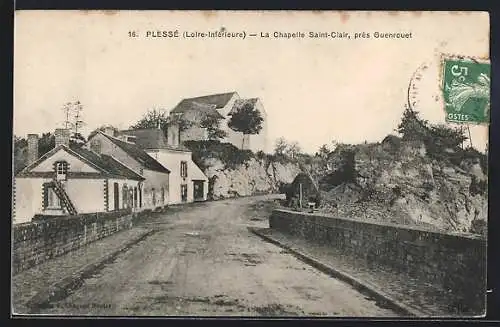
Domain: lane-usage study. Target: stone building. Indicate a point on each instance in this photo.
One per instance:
(222, 105)
(156, 185)
(187, 182)
(70, 180)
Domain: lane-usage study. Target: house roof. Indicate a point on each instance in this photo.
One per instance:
(138, 154)
(106, 165)
(207, 103)
(147, 138)
(239, 103)
(151, 138)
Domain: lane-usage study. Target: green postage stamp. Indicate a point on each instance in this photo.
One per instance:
(466, 90)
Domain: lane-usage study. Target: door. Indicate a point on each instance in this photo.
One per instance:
(184, 193)
(198, 190)
(135, 197)
(116, 195)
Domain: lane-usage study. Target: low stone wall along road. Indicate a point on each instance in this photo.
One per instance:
(202, 260)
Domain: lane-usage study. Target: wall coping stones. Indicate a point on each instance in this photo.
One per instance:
(388, 224)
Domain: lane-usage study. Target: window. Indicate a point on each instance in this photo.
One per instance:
(53, 199)
(50, 198)
(184, 169)
(153, 196)
(124, 196)
(61, 170)
(163, 195)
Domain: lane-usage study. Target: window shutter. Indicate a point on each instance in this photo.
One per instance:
(45, 196)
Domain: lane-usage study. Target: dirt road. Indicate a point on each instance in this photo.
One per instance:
(204, 261)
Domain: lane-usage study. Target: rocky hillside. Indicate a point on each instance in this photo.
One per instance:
(233, 172)
(400, 182)
(256, 176)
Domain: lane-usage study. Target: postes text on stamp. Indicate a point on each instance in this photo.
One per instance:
(466, 90)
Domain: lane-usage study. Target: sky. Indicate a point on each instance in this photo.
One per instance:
(314, 90)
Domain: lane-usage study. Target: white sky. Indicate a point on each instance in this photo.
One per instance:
(314, 90)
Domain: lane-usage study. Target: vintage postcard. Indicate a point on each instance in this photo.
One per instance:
(250, 163)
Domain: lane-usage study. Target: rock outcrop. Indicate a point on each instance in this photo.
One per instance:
(255, 176)
(401, 183)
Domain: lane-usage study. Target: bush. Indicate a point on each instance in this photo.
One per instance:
(471, 153)
(478, 227)
(261, 155)
(478, 186)
(227, 153)
(437, 138)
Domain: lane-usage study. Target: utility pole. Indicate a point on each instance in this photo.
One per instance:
(470, 136)
(462, 133)
(300, 195)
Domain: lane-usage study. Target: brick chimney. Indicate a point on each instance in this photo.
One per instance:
(32, 148)
(62, 136)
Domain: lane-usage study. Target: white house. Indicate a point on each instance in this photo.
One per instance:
(188, 183)
(221, 105)
(156, 186)
(71, 180)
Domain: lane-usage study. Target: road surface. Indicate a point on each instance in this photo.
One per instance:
(204, 261)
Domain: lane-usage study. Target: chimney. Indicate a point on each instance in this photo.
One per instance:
(32, 148)
(62, 136)
(109, 131)
(173, 135)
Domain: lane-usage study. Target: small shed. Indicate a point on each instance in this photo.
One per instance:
(303, 189)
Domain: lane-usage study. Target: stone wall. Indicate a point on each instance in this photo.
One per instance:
(48, 237)
(457, 263)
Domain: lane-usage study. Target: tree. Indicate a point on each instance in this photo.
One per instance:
(46, 143)
(73, 121)
(412, 127)
(77, 119)
(284, 148)
(448, 136)
(155, 118)
(19, 153)
(323, 151)
(293, 149)
(212, 124)
(280, 146)
(151, 119)
(180, 120)
(246, 120)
